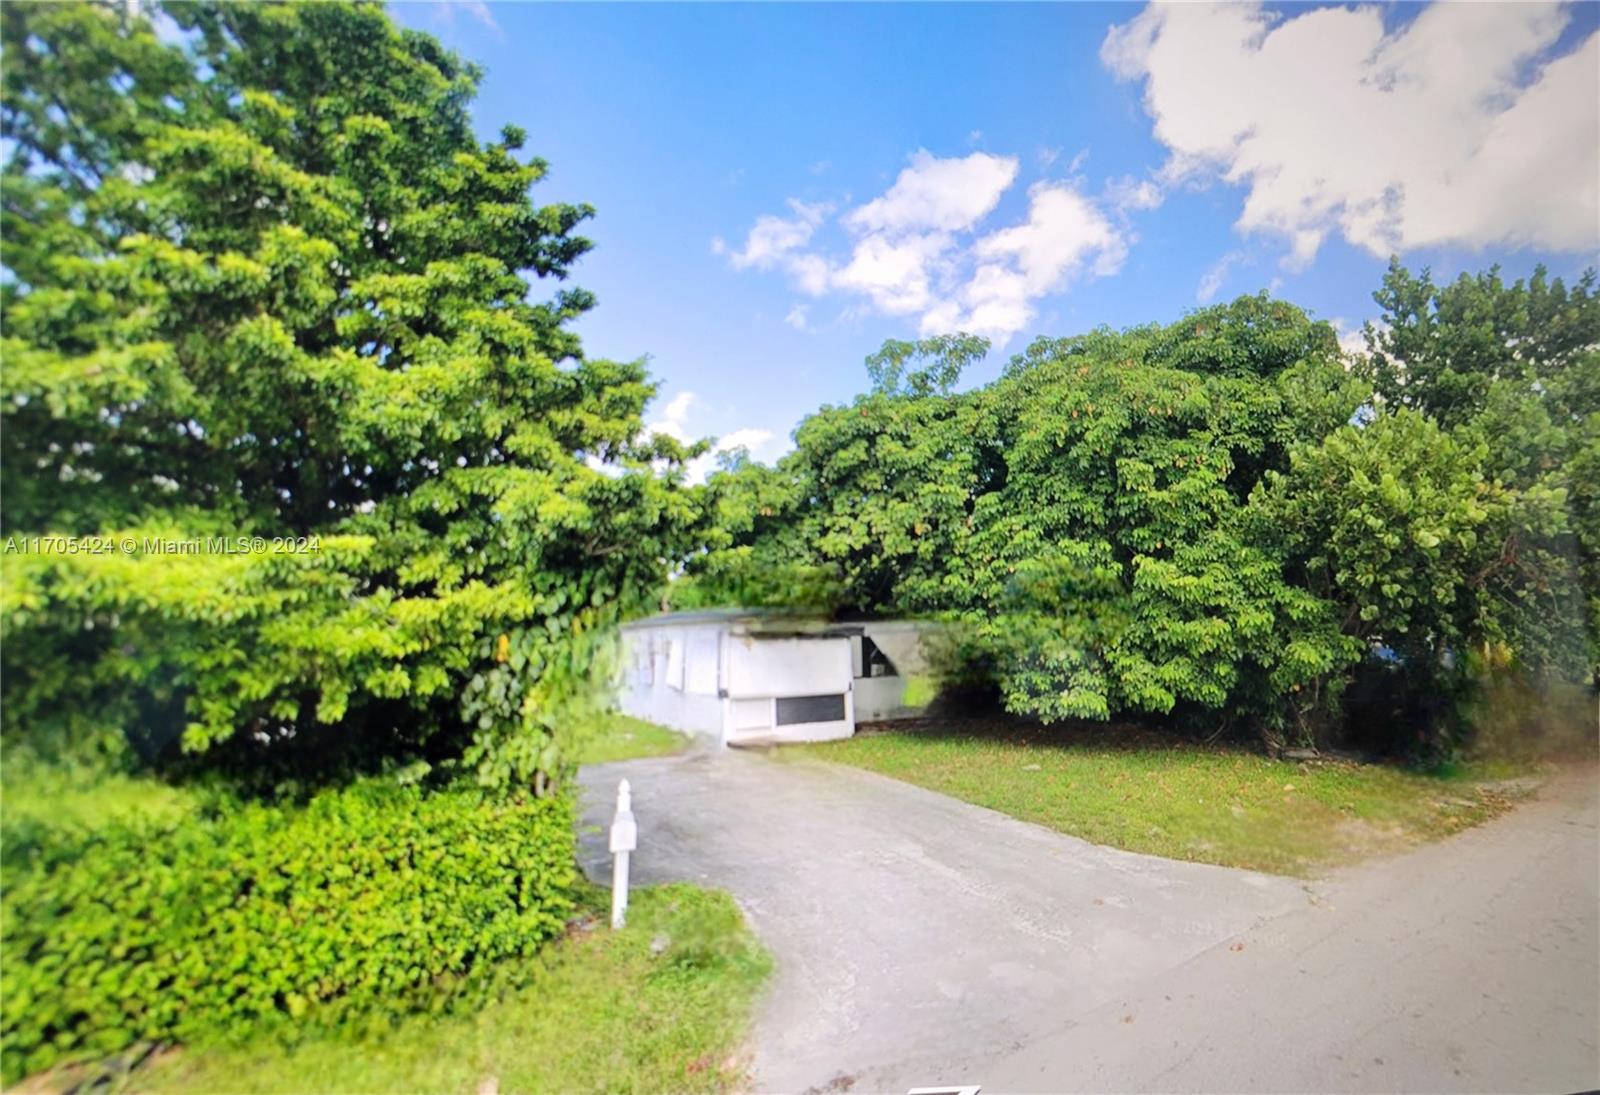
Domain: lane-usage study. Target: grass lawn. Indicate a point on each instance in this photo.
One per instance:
(1151, 793)
(663, 1005)
(624, 737)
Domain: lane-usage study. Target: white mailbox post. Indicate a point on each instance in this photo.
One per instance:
(624, 839)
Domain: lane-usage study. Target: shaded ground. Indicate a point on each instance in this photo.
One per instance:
(922, 940)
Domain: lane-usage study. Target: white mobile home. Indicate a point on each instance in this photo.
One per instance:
(739, 676)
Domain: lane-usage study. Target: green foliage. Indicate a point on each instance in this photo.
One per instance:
(1397, 524)
(663, 1005)
(755, 553)
(1218, 519)
(1399, 527)
(264, 281)
(1514, 369)
(1442, 350)
(947, 356)
(867, 510)
(372, 900)
(1080, 518)
(49, 796)
(1110, 567)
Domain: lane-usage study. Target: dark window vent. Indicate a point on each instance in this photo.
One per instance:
(794, 709)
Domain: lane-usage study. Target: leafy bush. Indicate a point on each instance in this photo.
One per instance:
(663, 1005)
(1423, 554)
(372, 900)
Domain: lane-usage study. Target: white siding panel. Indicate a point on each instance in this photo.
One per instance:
(675, 661)
(787, 667)
(750, 715)
(700, 661)
(881, 698)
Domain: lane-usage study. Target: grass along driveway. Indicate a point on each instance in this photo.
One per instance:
(663, 1005)
(622, 737)
(1147, 792)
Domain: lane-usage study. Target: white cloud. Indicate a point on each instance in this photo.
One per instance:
(1456, 128)
(673, 421)
(810, 273)
(1128, 194)
(797, 317)
(919, 250)
(1064, 235)
(1216, 275)
(773, 240)
(1353, 338)
(896, 273)
(444, 11)
(947, 195)
(749, 438)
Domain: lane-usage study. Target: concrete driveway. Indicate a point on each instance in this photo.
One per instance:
(917, 938)
(922, 941)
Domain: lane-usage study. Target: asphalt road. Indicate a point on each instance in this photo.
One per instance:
(1469, 965)
(922, 941)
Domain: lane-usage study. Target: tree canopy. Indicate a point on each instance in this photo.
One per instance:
(1221, 517)
(1514, 370)
(298, 446)
(262, 280)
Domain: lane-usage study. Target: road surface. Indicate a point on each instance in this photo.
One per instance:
(921, 940)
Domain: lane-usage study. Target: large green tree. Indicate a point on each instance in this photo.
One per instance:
(261, 279)
(1111, 571)
(1223, 518)
(1427, 559)
(1512, 369)
(1079, 520)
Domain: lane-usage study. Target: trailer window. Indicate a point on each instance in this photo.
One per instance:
(794, 709)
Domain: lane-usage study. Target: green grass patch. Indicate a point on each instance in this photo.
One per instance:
(622, 737)
(663, 1005)
(1147, 792)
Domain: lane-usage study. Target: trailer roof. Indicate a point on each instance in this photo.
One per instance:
(764, 621)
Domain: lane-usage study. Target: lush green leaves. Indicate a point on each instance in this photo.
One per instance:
(373, 899)
(1078, 516)
(1221, 516)
(266, 282)
(1515, 370)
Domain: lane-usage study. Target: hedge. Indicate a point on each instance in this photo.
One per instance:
(373, 899)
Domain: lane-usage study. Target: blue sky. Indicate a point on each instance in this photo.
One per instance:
(779, 188)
